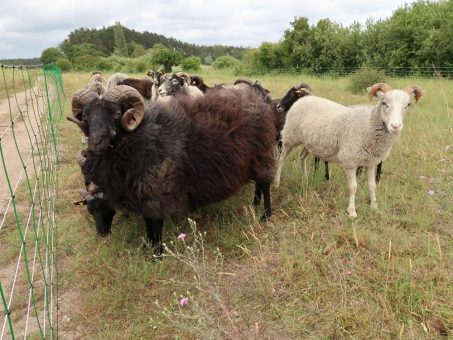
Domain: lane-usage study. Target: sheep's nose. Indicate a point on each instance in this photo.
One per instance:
(396, 127)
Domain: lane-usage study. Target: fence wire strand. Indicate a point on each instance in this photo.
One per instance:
(31, 106)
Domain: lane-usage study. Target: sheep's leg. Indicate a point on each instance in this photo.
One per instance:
(257, 196)
(372, 186)
(316, 164)
(266, 190)
(378, 172)
(303, 156)
(154, 228)
(286, 149)
(352, 184)
(326, 171)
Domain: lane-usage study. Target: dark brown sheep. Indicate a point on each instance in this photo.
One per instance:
(170, 158)
(143, 86)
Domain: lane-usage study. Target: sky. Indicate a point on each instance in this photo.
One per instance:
(27, 27)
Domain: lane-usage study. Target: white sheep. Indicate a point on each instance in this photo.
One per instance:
(172, 84)
(359, 136)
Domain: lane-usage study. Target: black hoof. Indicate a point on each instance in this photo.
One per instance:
(265, 217)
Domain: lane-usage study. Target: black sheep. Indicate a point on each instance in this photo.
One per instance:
(165, 159)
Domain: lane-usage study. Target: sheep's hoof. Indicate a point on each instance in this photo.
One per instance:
(265, 217)
(374, 205)
(352, 213)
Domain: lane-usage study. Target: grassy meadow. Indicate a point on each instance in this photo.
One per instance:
(311, 272)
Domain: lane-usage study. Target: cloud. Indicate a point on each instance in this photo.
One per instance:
(28, 27)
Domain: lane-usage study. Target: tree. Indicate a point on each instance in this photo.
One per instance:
(166, 57)
(85, 49)
(191, 64)
(225, 62)
(120, 40)
(63, 64)
(136, 50)
(51, 55)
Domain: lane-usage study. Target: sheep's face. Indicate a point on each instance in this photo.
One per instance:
(103, 119)
(171, 85)
(292, 96)
(288, 100)
(102, 214)
(393, 106)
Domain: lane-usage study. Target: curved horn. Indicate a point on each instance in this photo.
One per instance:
(302, 86)
(80, 98)
(243, 81)
(184, 76)
(384, 87)
(415, 91)
(132, 117)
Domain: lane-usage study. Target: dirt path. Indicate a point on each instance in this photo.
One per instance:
(31, 104)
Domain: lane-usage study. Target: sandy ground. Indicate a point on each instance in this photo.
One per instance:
(31, 104)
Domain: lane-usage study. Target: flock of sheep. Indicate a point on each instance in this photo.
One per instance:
(169, 143)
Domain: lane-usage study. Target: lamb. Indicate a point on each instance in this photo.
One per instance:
(143, 86)
(177, 84)
(360, 136)
(165, 159)
(115, 79)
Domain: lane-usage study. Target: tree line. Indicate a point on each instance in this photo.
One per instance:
(413, 40)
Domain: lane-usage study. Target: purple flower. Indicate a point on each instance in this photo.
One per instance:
(430, 192)
(349, 273)
(182, 236)
(184, 301)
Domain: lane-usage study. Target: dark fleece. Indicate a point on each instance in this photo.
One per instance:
(187, 154)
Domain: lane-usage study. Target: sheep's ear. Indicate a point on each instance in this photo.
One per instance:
(130, 120)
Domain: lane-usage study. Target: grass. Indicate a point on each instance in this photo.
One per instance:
(310, 272)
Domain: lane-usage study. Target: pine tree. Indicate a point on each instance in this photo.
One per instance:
(120, 40)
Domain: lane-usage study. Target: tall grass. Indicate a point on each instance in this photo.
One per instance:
(311, 272)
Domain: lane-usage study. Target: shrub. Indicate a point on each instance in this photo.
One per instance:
(365, 77)
(63, 64)
(191, 64)
(51, 55)
(225, 62)
(87, 62)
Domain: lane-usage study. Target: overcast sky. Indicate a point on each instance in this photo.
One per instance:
(29, 26)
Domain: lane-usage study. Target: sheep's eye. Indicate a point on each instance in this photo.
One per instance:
(408, 105)
(116, 115)
(175, 81)
(384, 104)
